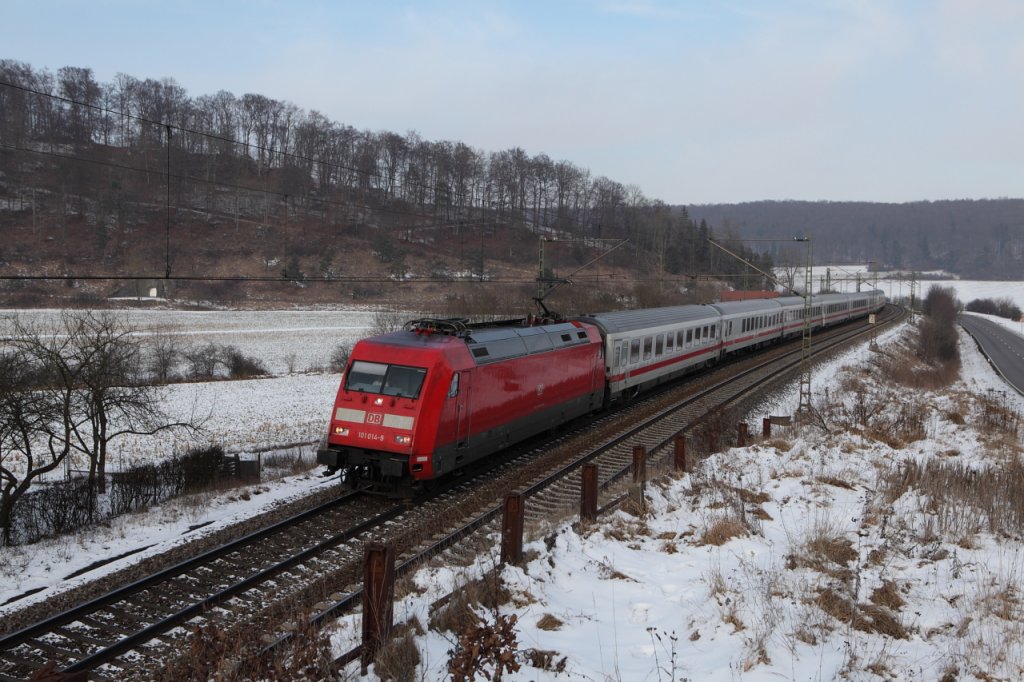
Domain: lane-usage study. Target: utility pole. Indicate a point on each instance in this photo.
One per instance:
(804, 408)
(545, 284)
(913, 291)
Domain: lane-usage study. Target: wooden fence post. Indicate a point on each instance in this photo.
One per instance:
(378, 599)
(679, 459)
(639, 464)
(588, 493)
(512, 530)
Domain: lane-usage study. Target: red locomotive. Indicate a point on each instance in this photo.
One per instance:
(417, 404)
(420, 403)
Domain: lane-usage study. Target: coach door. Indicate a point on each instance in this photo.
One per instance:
(462, 412)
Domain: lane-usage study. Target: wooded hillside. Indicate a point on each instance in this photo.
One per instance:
(247, 198)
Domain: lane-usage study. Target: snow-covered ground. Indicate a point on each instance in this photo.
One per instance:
(827, 578)
(303, 339)
(653, 598)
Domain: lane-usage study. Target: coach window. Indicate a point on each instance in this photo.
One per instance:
(634, 351)
(659, 345)
(453, 389)
(669, 342)
(689, 338)
(680, 339)
(648, 346)
(616, 359)
(713, 331)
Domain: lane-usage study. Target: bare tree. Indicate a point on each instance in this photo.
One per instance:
(92, 363)
(164, 353)
(35, 427)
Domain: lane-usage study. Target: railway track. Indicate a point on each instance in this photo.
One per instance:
(313, 561)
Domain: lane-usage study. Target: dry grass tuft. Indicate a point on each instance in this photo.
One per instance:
(834, 482)
(625, 530)
(751, 497)
(609, 572)
(1001, 601)
(837, 550)
(397, 659)
(888, 596)
(731, 615)
(869, 618)
(826, 552)
(961, 500)
(459, 614)
(545, 660)
(456, 616)
(723, 530)
(549, 622)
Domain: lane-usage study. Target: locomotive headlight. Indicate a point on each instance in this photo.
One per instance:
(403, 440)
(378, 401)
(340, 431)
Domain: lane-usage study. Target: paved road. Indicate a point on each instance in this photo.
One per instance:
(1004, 348)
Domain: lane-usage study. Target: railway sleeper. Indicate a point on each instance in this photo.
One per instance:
(19, 660)
(58, 652)
(81, 637)
(113, 628)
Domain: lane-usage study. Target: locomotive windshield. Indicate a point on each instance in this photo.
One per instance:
(375, 377)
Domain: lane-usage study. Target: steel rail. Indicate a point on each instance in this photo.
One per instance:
(27, 635)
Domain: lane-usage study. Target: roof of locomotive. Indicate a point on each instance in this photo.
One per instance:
(488, 344)
(500, 343)
(632, 320)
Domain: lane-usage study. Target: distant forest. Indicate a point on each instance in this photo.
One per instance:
(974, 239)
(137, 176)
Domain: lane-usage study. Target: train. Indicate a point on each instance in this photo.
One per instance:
(419, 404)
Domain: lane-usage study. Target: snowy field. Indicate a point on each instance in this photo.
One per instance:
(844, 280)
(304, 338)
(649, 599)
(240, 416)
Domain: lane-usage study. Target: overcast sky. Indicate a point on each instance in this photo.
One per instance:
(693, 101)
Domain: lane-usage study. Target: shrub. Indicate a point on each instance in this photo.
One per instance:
(339, 358)
(58, 508)
(241, 366)
(203, 361)
(1003, 307)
